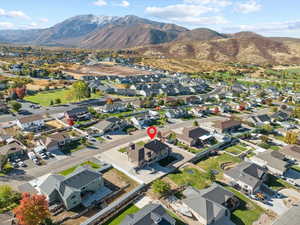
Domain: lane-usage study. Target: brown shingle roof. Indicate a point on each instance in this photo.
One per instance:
(227, 124)
(32, 118)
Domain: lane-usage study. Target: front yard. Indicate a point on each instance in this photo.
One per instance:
(277, 183)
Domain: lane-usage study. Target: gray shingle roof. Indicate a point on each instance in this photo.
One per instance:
(152, 214)
(249, 173)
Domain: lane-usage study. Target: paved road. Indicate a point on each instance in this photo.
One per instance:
(85, 154)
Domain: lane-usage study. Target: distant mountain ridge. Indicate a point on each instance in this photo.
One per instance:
(155, 38)
(100, 32)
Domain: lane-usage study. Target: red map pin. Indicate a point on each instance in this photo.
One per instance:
(152, 131)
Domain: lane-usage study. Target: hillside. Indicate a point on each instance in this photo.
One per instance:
(243, 47)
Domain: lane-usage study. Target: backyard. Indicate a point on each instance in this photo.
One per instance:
(191, 176)
(236, 149)
(215, 162)
(247, 212)
(131, 209)
(44, 98)
(72, 169)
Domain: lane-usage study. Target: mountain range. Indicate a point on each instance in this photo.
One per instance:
(155, 38)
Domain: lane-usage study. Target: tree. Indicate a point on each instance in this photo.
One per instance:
(291, 137)
(57, 101)
(79, 90)
(8, 197)
(16, 106)
(211, 176)
(33, 209)
(195, 123)
(51, 102)
(109, 101)
(160, 187)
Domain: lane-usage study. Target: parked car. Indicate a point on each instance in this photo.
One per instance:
(21, 164)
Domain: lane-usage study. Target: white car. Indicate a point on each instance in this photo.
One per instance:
(21, 164)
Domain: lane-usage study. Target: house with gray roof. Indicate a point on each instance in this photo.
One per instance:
(151, 214)
(247, 176)
(272, 160)
(149, 153)
(212, 205)
(82, 187)
(260, 120)
(109, 125)
(195, 136)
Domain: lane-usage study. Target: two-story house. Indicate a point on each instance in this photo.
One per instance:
(150, 153)
(31, 123)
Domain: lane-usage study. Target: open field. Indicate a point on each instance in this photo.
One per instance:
(102, 70)
(44, 98)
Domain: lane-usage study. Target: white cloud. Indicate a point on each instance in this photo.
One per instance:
(6, 25)
(179, 11)
(266, 27)
(221, 3)
(189, 14)
(199, 21)
(13, 14)
(248, 7)
(124, 4)
(100, 3)
(44, 20)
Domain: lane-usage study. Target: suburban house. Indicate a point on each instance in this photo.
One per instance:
(151, 214)
(13, 150)
(195, 136)
(31, 123)
(142, 120)
(291, 152)
(247, 176)
(260, 120)
(109, 125)
(55, 141)
(4, 136)
(272, 160)
(281, 116)
(79, 113)
(150, 153)
(200, 111)
(176, 113)
(210, 206)
(227, 126)
(83, 186)
(114, 107)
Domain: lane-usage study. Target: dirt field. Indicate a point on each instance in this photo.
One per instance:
(41, 84)
(102, 69)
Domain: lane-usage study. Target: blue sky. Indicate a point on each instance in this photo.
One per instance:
(267, 17)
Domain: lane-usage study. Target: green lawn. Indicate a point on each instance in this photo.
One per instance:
(189, 149)
(277, 183)
(214, 163)
(131, 209)
(248, 212)
(72, 169)
(297, 168)
(139, 144)
(72, 147)
(191, 176)
(236, 149)
(44, 98)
